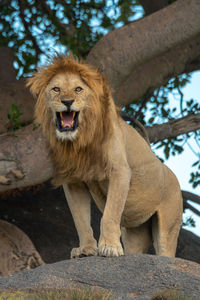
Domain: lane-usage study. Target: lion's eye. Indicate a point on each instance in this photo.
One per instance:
(56, 89)
(78, 89)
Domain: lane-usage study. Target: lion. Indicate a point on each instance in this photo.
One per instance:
(96, 153)
(17, 252)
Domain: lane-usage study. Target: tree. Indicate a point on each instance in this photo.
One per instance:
(145, 61)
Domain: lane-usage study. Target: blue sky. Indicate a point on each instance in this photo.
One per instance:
(181, 164)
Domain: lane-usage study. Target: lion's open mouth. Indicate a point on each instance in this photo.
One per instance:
(67, 120)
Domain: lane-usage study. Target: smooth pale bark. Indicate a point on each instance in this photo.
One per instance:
(125, 49)
(13, 91)
(24, 159)
(158, 71)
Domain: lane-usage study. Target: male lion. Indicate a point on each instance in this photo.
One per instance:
(96, 153)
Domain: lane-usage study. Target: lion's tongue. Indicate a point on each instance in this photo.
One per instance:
(67, 119)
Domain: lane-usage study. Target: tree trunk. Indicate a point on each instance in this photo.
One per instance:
(24, 159)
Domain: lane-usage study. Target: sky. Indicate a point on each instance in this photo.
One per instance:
(181, 164)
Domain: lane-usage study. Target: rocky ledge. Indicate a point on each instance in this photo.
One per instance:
(137, 277)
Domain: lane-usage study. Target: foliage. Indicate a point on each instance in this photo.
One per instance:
(195, 176)
(14, 117)
(164, 104)
(34, 28)
(190, 222)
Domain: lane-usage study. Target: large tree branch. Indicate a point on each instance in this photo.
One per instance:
(188, 196)
(174, 128)
(24, 159)
(191, 196)
(125, 49)
(192, 208)
(171, 129)
(157, 72)
(15, 93)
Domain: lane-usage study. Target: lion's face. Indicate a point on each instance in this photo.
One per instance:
(73, 103)
(68, 97)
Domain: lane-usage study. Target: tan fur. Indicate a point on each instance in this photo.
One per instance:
(17, 252)
(139, 196)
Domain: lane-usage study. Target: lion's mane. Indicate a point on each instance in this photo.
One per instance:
(73, 159)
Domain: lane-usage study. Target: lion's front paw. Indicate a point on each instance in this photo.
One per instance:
(83, 251)
(110, 250)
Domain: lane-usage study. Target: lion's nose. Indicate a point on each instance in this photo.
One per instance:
(67, 103)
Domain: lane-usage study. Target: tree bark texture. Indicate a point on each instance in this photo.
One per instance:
(157, 72)
(125, 49)
(24, 159)
(173, 128)
(188, 196)
(13, 91)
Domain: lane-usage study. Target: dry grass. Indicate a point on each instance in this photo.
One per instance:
(70, 294)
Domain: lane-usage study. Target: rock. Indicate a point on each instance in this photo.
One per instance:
(136, 276)
(188, 246)
(17, 252)
(45, 217)
(43, 214)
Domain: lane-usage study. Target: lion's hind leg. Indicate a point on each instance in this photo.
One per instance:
(137, 239)
(166, 226)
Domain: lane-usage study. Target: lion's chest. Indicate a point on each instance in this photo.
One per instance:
(86, 173)
(80, 166)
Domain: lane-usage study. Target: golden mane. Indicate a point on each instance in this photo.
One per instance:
(73, 159)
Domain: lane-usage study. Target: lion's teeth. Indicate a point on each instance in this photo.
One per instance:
(64, 122)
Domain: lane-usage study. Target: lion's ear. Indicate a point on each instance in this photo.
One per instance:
(36, 84)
